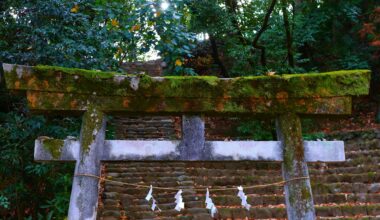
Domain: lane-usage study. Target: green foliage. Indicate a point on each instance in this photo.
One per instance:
(43, 189)
(313, 136)
(4, 202)
(308, 130)
(260, 130)
(175, 41)
(103, 34)
(92, 34)
(100, 34)
(51, 32)
(257, 130)
(324, 34)
(110, 128)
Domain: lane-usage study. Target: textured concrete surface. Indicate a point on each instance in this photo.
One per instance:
(324, 151)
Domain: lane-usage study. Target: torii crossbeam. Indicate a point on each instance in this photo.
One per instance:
(96, 94)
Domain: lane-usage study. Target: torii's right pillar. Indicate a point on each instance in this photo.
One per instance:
(298, 194)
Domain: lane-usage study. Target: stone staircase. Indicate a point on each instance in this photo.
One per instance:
(349, 190)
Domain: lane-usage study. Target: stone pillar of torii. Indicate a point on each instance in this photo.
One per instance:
(97, 94)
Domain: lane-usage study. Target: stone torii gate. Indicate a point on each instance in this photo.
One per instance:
(96, 94)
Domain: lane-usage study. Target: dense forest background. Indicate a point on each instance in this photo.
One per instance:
(226, 38)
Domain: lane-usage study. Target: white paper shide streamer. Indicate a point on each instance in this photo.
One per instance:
(149, 196)
(179, 201)
(154, 206)
(210, 205)
(243, 198)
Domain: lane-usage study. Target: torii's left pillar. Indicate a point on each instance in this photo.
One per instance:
(84, 193)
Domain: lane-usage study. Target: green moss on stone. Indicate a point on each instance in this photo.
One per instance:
(92, 122)
(189, 86)
(145, 81)
(52, 70)
(59, 79)
(210, 80)
(371, 176)
(300, 194)
(54, 146)
(289, 125)
(321, 188)
(233, 107)
(306, 195)
(305, 84)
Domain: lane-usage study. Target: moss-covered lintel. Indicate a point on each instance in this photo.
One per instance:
(46, 101)
(66, 80)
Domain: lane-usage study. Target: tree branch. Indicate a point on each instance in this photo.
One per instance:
(232, 8)
(289, 38)
(261, 31)
(215, 56)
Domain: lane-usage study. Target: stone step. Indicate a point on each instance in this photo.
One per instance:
(147, 179)
(210, 181)
(169, 173)
(372, 144)
(348, 210)
(278, 212)
(357, 161)
(370, 177)
(339, 170)
(138, 169)
(163, 169)
(344, 190)
(188, 213)
(143, 164)
(319, 169)
(362, 153)
(317, 187)
(164, 206)
(255, 200)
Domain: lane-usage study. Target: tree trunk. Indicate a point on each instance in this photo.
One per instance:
(289, 38)
(215, 56)
(232, 8)
(378, 112)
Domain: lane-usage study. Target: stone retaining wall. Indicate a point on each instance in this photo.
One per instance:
(341, 190)
(168, 127)
(147, 127)
(221, 128)
(152, 68)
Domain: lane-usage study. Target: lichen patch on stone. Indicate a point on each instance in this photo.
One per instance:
(134, 83)
(53, 146)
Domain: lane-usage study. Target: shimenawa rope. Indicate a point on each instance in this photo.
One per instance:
(281, 183)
